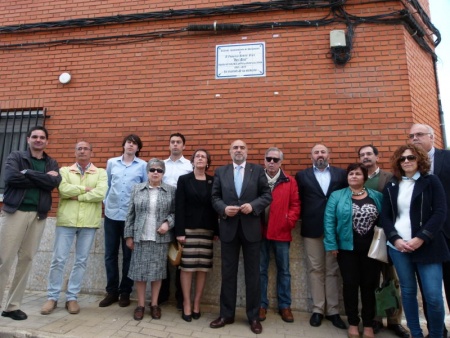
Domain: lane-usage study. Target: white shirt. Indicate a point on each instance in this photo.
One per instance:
(323, 177)
(175, 169)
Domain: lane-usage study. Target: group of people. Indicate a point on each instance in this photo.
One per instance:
(248, 206)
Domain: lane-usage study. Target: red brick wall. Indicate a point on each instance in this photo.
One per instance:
(154, 88)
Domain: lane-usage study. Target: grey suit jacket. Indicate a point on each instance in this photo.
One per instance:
(255, 190)
(139, 209)
(385, 176)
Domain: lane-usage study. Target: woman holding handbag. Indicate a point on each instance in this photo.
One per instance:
(350, 217)
(196, 226)
(414, 211)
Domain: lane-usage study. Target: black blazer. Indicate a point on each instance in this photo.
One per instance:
(314, 201)
(193, 208)
(255, 190)
(427, 214)
(442, 170)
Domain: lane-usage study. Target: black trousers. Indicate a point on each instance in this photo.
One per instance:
(359, 273)
(230, 262)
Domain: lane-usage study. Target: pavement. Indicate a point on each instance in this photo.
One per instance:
(114, 321)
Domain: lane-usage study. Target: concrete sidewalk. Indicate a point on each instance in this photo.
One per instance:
(115, 321)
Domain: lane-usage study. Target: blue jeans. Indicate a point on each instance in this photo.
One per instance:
(64, 237)
(281, 253)
(431, 277)
(113, 241)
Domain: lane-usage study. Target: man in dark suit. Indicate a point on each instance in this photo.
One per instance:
(315, 186)
(240, 194)
(423, 136)
(368, 156)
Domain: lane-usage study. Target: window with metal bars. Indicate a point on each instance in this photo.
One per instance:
(14, 125)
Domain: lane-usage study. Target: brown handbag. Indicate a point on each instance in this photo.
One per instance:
(174, 253)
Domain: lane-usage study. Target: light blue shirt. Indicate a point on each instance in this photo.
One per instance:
(121, 179)
(323, 177)
(175, 169)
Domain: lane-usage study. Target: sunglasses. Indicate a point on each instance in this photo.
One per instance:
(274, 159)
(159, 171)
(410, 158)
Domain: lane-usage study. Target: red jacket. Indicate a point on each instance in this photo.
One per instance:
(284, 210)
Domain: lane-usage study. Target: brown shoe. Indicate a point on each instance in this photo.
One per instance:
(262, 314)
(72, 307)
(139, 313)
(221, 322)
(124, 300)
(48, 307)
(256, 326)
(155, 312)
(286, 315)
(108, 300)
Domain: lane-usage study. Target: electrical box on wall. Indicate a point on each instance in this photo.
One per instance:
(337, 38)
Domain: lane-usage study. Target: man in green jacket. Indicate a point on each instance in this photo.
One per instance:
(81, 192)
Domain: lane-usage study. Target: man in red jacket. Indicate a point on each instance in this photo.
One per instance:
(280, 218)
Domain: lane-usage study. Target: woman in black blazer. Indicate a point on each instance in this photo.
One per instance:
(196, 225)
(412, 217)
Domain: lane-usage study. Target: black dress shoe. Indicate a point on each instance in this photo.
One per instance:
(16, 314)
(337, 321)
(316, 319)
(377, 326)
(255, 326)
(221, 322)
(186, 318)
(399, 330)
(196, 315)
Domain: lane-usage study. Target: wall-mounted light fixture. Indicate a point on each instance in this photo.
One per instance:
(65, 78)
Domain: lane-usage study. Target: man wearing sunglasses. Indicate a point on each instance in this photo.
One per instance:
(315, 186)
(423, 136)
(280, 218)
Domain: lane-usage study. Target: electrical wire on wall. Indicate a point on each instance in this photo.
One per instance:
(337, 14)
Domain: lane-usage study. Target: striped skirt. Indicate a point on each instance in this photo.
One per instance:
(197, 251)
(148, 261)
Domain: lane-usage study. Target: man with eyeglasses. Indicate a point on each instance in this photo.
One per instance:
(279, 220)
(368, 156)
(315, 186)
(123, 173)
(176, 165)
(240, 194)
(423, 136)
(81, 192)
(30, 177)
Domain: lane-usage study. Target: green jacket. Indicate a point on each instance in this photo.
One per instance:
(86, 210)
(338, 221)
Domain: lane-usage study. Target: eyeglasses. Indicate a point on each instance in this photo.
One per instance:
(274, 159)
(410, 158)
(418, 135)
(83, 148)
(159, 171)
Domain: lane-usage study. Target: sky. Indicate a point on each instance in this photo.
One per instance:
(440, 9)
